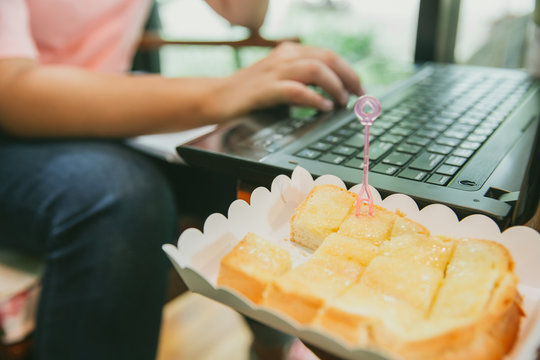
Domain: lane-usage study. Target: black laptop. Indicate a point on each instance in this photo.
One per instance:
(452, 134)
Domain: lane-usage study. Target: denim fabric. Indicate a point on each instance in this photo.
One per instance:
(98, 214)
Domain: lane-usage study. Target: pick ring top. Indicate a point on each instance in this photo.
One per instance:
(363, 105)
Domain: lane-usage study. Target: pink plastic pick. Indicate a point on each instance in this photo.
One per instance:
(367, 109)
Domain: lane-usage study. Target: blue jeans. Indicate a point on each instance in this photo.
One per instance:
(98, 214)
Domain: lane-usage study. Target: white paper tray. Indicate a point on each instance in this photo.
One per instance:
(198, 255)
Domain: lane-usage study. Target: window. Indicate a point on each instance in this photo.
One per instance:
(377, 37)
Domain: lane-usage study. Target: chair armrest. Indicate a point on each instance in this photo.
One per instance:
(152, 40)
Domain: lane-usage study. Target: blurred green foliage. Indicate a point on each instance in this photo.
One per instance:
(335, 28)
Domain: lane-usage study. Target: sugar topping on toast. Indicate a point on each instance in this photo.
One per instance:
(383, 281)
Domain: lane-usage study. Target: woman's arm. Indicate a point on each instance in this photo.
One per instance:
(51, 101)
(248, 13)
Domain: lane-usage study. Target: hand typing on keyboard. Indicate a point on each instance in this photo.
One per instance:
(288, 75)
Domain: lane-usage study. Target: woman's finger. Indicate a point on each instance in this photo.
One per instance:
(296, 93)
(336, 63)
(315, 72)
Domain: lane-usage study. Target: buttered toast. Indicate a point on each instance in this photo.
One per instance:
(320, 214)
(251, 265)
(382, 281)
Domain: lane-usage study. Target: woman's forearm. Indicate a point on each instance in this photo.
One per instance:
(64, 101)
(40, 100)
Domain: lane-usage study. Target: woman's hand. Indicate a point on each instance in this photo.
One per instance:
(283, 77)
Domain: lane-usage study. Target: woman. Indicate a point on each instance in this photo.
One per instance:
(95, 210)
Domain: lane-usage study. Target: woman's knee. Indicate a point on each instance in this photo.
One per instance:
(114, 192)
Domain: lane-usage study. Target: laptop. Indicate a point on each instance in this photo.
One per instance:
(452, 134)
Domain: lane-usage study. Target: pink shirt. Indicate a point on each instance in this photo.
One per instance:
(96, 34)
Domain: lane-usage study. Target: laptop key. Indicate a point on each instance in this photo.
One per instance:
(443, 120)
(427, 133)
(469, 121)
(455, 134)
(413, 174)
(385, 169)
(461, 128)
(410, 124)
(345, 132)
(343, 150)
(440, 149)
(357, 141)
(390, 118)
(436, 127)
(400, 131)
(409, 148)
(466, 153)
(438, 179)
(397, 158)
(333, 139)
(447, 169)
(376, 150)
(321, 146)
(483, 131)
(455, 160)
(394, 139)
(355, 125)
(377, 131)
(308, 154)
(443, 140)
(333, 158)
(417, 140)
(477, 138)
(451, 114)
(470, 145)
(380, 123)
(487, 125)
(426, 161)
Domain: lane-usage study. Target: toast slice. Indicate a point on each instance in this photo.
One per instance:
(347, 248)
(472, 276)
(375, 228)
(303, 291)
(403, 279)
(433, 251)
(320, 214)
(363, 314)
(251, 265)
(405, 226)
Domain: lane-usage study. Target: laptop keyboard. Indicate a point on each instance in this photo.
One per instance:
(433, 132)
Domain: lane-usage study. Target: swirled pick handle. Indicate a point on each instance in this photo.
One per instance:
(367, 109)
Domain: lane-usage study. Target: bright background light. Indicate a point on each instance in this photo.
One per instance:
(377, 37)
